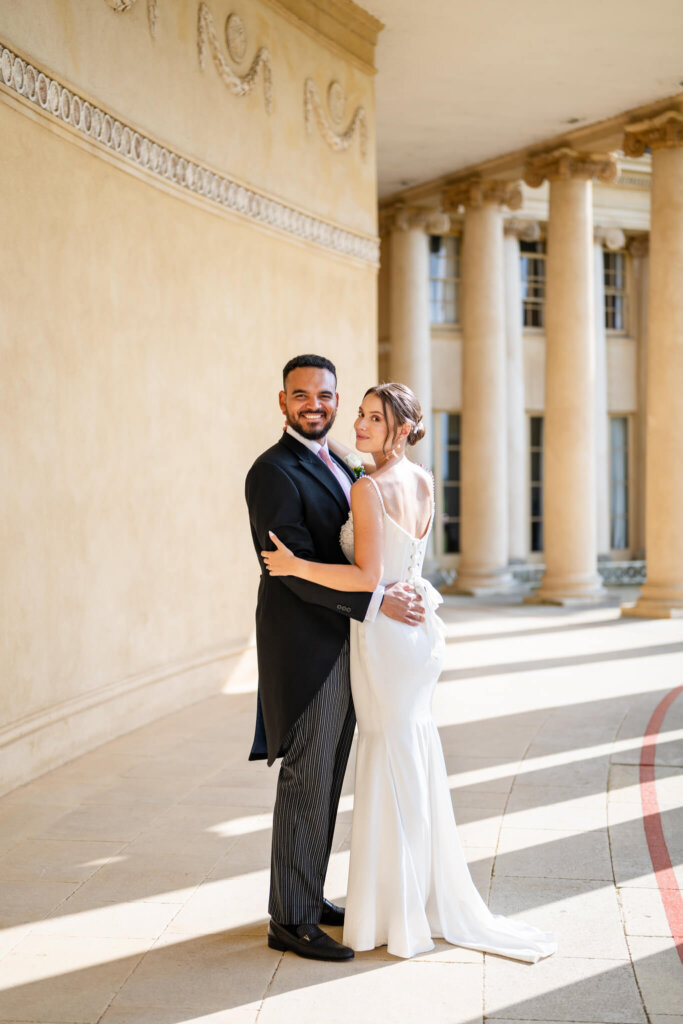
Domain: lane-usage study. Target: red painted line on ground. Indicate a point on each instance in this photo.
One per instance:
(652, 820)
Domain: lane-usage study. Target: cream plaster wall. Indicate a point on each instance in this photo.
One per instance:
(622, 374)
(142, 344)
(446, 371)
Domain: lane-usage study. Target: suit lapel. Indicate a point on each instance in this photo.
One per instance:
(317, 469)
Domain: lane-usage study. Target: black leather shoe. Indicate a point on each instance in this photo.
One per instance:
(332, 914)
(306, 940)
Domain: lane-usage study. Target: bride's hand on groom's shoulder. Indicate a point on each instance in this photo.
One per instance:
(402, 603)
(282, 561)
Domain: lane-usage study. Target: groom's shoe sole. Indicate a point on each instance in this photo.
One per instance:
(312, 943)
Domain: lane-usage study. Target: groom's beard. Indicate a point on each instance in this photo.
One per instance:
(313, 431)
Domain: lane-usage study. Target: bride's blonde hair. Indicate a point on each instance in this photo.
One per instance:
(404, 407)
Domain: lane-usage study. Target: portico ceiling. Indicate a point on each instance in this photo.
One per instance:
(460, 83)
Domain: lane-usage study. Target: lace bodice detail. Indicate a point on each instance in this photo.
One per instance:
(403, 554)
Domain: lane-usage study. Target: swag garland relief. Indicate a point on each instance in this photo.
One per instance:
(336, 138)
(236, 39)
(121, 6)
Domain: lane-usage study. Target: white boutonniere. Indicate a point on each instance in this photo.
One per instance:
(355, 465)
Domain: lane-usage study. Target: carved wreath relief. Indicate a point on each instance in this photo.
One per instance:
(336, 101)
(236, 40)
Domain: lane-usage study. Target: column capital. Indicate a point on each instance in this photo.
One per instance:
(402, 217)
(665, 131)
(525, 230)
(565, 163)
(639, 246)
(474, 192)
(610, 238)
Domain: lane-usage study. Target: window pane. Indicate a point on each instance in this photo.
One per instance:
(452, 500)
(536, 466)
(536, 431)
(537, 536)
(619, 494)
(451, 464)
(451, 537)
(453, 428)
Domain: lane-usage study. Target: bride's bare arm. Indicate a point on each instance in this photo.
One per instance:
(365, 573)
(342, 450)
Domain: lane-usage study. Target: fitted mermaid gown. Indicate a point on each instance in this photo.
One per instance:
(408, 878)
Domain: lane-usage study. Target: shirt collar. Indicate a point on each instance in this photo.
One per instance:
(314, 446)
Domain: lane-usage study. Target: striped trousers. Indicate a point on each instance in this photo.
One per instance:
(308, 789)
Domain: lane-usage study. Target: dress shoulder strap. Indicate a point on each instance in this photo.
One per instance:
(379, 493)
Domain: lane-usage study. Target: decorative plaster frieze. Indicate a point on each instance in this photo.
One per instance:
(525, 230)
(101, 128)
(239, 85)
(665, 131)
(474, 192)
(313, 111)
(610, 238)
(565, 163)
(121, 6)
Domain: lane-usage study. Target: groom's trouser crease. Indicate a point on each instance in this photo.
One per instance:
(309, 786)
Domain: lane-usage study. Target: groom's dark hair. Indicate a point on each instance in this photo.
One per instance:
(319, 362)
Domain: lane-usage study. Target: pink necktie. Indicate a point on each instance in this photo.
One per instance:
(342, 478)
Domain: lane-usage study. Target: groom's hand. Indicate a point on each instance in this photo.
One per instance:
(400, 602)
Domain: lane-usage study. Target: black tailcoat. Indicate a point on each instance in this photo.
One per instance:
(300, 627)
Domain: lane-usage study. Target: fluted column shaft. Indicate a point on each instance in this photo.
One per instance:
(569, 513)
(662, 594)
(484, 528)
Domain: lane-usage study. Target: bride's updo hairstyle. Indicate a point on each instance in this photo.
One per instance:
(404, 408)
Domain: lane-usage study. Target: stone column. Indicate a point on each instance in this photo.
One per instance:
(410, 359)
(662, 594)
(639, 248)
(517, 449)
(604, 238)
(569, 434)
(484, 529)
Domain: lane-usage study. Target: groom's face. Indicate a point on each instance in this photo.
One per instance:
(309, 401)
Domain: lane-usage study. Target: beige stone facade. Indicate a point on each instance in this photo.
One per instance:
(180, 216)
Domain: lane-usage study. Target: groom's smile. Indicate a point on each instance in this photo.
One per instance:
(309, 401)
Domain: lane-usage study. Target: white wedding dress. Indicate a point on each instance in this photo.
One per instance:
(408, 878)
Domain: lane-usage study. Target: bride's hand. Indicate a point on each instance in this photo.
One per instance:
(280, 562)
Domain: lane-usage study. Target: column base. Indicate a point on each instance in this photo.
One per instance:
(656, 602)
(570, 591)
(482, 582)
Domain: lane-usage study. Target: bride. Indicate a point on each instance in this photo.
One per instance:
(408, 878)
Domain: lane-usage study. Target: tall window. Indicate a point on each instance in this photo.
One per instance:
(444, 279)
(536, 483)
(618, 482)
(614, 266)
(450, 481)
(533, 283)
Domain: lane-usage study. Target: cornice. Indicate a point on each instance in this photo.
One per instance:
(25, 83)
(344, 25)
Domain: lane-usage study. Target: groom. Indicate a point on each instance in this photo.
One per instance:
(301, 491)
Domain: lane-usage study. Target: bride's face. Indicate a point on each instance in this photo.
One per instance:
(374, 431)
